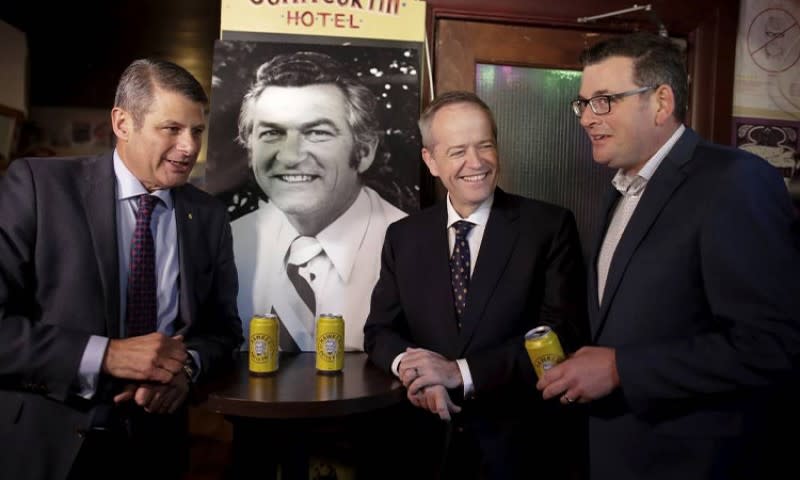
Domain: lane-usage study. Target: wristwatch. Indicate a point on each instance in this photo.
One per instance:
(190, 369)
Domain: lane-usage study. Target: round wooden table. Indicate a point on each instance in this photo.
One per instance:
(277, 418)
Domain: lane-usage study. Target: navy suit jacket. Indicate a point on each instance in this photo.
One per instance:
(59, 284)
(529, 272)
(702, 304)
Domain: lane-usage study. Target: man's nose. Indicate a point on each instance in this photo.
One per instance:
(588, 117)
(290, 151)
(189, 143)
(472, 158)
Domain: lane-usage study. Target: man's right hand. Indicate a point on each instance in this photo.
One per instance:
(154, 357)
(436, 400)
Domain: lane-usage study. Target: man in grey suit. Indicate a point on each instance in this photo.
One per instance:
(117, 292)
(694, 302)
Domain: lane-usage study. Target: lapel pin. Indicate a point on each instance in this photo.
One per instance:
(190, 215)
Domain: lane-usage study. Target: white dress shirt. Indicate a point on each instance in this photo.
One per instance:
(475, 237)
(342, 277)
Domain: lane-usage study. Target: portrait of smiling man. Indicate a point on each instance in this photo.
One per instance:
(310, 130)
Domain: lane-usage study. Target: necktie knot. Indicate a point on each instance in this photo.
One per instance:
(303, 249)
(146, 205)
(462, 228)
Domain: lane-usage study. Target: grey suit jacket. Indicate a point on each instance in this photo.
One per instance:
(59, 284)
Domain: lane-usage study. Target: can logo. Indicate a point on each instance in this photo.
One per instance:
(328, 345)
(547, 361)
(263, 348)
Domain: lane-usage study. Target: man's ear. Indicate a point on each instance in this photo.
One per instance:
(427, 157)
(665, 101)
(365, 152)
(121, 123)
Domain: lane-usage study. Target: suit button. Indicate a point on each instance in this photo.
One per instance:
(459, 325)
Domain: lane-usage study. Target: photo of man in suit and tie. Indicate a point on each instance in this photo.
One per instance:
(460, 285)
(117, 292)
(310, 129)
(694, 299)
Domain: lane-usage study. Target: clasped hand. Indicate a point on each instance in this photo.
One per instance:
(427, 375)
(155, 364)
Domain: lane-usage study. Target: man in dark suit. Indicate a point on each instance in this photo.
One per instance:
(693, 291)
(117, 291)
(460, 285)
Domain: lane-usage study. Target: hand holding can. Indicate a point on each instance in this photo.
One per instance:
(543, 348)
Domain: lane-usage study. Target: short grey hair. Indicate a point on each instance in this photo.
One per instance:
(136, 87)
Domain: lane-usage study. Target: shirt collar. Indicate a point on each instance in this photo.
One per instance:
(128, 186)
(340, 240)
(634, 184)
(479, 217)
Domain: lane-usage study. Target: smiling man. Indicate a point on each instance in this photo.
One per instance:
(694, 302)
(117, 292)
(460, 285)
(310, 129)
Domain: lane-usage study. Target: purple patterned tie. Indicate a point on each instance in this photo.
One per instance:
(460, 266)
(142, 308)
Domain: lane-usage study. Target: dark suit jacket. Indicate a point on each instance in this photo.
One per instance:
(701, 304)
(59, 284)
(529, 272)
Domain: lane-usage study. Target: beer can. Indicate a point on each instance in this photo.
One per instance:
(330, 343)
(263, 344)
(543, 348)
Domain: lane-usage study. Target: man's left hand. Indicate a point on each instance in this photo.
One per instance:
(157, 398)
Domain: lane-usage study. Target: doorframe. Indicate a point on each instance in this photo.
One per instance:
(708, 26)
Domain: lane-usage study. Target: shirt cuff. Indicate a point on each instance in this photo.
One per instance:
(469, 388)
(396, 364)
(91, 363)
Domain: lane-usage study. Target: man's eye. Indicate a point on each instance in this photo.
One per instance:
(486, 146)
(269, 135)
(456, 153)
(173, 130)
(318, 135)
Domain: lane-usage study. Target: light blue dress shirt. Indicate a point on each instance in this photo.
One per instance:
(165, 237)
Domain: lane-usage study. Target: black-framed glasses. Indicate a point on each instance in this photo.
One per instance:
(601, 104)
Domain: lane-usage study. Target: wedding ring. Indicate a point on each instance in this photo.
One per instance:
(569, 400)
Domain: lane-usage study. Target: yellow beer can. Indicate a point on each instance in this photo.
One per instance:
(330, 343)
(543, 348)
(263, 344)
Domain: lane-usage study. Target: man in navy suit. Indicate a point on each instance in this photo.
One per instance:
(117, 292)
(694, 298)
(460, 285)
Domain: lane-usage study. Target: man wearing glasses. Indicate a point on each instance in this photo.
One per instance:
(694, 304)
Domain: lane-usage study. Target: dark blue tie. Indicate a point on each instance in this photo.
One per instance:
(459, 267)
(142, 307)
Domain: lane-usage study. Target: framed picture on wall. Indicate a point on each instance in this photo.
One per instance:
(10, 122)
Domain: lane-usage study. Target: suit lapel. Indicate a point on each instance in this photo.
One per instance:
(496, 247)
(667, 178)
(187, 228)
(436, 274)
(98, 191)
